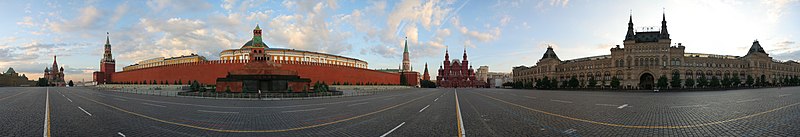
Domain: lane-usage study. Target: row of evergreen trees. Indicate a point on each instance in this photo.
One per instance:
(662, 82)
(154, 82)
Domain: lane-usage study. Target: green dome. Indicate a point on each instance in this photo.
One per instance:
(249, 44)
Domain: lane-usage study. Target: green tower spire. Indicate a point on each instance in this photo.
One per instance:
(406, 45)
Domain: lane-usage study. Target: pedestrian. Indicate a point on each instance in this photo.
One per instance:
(259, 94)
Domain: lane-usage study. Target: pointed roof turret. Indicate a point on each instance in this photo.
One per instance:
(630, 35)
(465, 54)
(664, 32)
(550, 53)
(257, 28)
(756, 48)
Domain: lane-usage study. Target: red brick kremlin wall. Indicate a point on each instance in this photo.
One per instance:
(208, 72)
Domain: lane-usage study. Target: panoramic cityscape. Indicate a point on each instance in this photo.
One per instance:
(384, 68)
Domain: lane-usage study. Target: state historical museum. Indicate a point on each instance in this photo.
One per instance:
(457, 74)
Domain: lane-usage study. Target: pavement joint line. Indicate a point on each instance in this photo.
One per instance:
(250, 131)
(686, 106)
(12, 95)
(749, 100)
(423, 109)
(784, 95)
(562, 101)
(46, 114)
(154, 105)
(302, 110)
(623, 106)
(643, 126)
(357, 104)
(461, 131)
(120, 99)
(84, 111)
(211, 106)
(529, 97)
(608, 105)
(221, 112)
(390, 131)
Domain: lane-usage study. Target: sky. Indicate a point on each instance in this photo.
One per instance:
(499, 34)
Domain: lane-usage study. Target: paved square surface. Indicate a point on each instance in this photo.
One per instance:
(82, 111)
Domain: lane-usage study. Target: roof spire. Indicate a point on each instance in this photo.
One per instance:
(630, 35)
(406, 45)
(107, 41)
(257, 28)
(664, 32)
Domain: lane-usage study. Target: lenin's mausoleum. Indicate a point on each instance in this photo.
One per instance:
(318, 67)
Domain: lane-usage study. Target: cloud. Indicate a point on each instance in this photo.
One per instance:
(308, 29)
(88, 18)
(492, 34)
(776, 8)
(27, 21)
(178, 5)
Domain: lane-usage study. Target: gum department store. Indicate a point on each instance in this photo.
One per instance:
(648, 55)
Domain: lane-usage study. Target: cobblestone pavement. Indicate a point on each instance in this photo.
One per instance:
(409, 112)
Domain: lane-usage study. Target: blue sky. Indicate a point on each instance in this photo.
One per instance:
(498, 34)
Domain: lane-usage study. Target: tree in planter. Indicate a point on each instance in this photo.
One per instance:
(726, 81)
(676, 80)
(573, 82)
(565, 84)
(702, 82)
(749, 82)
(735, 81)
(430, 84)
(42, 82)
(662, 82)
(538, 84)
(592, 82)
(714, 82)
(615, 82)
(403, 80)
(554, 83)
(70, 83)
(689, 83)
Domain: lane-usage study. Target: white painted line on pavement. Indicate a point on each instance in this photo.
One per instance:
(395, 128)
(424, 108)
(529, 97)
(389, 98)
(46, 131)
(461, 131)
(701, 105)
(607, 105)
(435, 99)
(740, 101)
(358, 104)
(623, 106)
(84, 111)
(120, 99)
(570, 131)
(221, 112)
(302, 110)
(784, 95)
(120, 134)
(154, 105)
(562, 101)
(70, 100)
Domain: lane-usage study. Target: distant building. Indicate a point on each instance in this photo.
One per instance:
(457, 73)
(426, 75)
(107, 65)
(411, 77)
(648, 55)
(55, 75)
(12, 78)
(482, 73)
(161, 61)
(496, 79)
